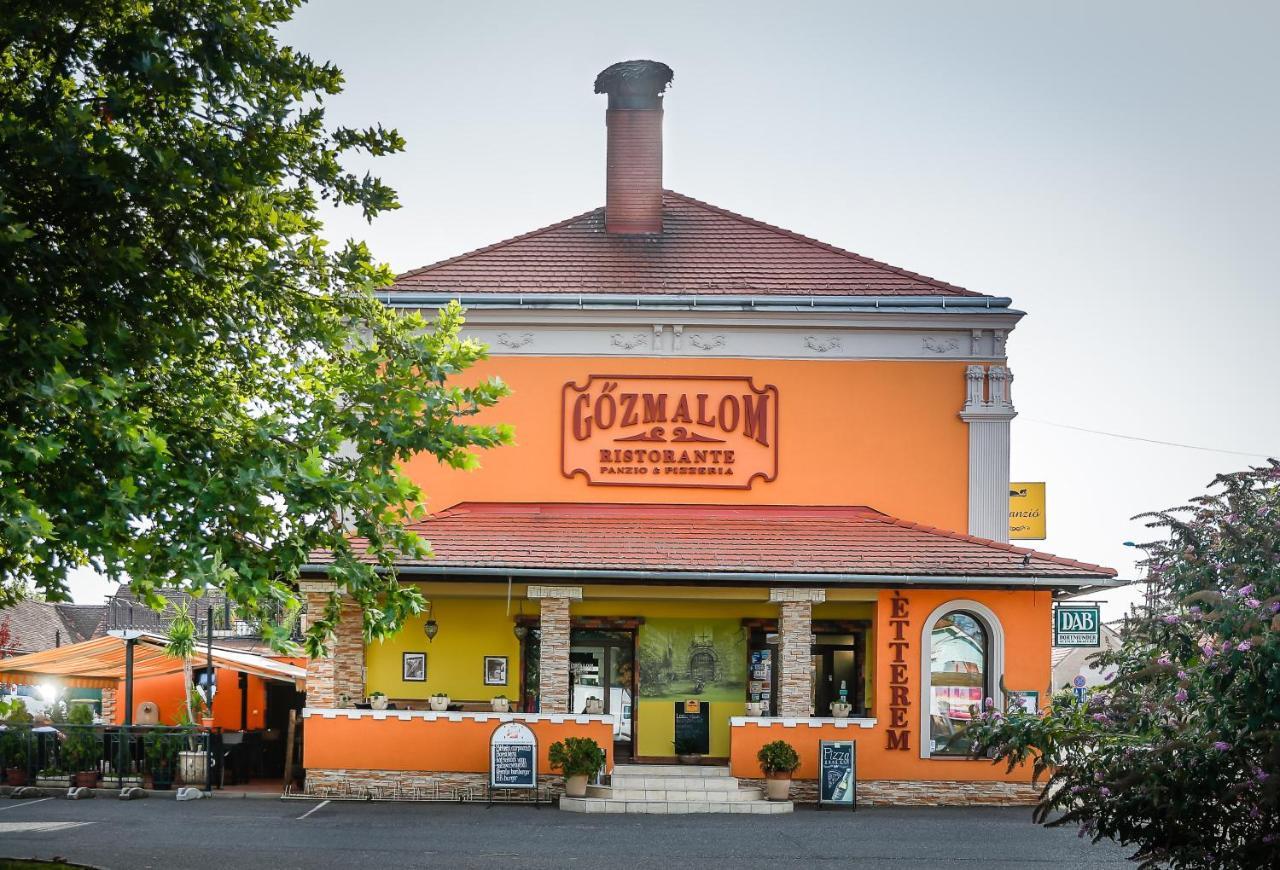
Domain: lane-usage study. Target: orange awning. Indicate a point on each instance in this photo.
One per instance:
(99, 664)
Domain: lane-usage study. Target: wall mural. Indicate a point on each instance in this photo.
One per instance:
(692, 658)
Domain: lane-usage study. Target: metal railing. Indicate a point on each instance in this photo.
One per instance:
(126, 614)
(113, 756)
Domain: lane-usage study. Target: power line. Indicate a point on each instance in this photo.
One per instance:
(1149, 440)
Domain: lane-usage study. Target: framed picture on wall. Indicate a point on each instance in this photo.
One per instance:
(1022, 702)
(495, 670)
(414, 667)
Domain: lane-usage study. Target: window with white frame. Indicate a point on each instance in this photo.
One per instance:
(962, 657)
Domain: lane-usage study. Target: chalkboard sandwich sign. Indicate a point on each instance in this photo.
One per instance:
(513, 758)
(838, 773)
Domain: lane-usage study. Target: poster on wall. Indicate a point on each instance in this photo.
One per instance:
(761, 677)
(704, 659)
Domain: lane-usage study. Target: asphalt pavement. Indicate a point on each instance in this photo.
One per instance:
(223, 834)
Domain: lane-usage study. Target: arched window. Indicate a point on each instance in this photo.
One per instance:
(962, 658)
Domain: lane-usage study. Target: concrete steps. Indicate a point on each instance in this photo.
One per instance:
(672, 790)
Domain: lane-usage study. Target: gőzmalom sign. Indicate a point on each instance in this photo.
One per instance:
(668, 430)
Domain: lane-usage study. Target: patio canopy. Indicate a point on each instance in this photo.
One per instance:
(99, 664)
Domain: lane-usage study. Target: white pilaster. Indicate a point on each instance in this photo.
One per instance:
(988, 409)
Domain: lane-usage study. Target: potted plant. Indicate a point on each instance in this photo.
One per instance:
(579, 759)
(53, 777)
(595, 707)
(778, 760)
(500, 704)
(13, 741)
(755, 708)
(160, 752)
(687, 750)
(841, 709)
(82, 747)
(439, 702)
(377, 701)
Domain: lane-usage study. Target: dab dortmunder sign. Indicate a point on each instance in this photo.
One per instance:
(1077, 625)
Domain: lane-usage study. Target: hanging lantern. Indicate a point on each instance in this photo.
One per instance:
(432, 628)
(520, 630)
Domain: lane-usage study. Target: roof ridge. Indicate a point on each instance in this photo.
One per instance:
(993, 544)
(826, 246)
(494, 246)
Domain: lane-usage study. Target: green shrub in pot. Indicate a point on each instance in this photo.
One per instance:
(778, 760)
(578, 758)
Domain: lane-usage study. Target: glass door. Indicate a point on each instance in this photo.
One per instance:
(602, 675)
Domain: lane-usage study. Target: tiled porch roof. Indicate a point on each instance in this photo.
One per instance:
(727, 540)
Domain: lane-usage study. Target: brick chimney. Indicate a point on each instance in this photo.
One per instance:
(633, 184)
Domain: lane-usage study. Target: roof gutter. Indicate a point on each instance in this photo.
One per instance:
(750, 577)
(967, 304)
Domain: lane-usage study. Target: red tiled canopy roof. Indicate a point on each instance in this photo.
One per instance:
(698, 538)
(702, 250)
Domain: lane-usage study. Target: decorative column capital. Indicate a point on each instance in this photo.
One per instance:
(988, 397)
(573, 593)
(787, 594)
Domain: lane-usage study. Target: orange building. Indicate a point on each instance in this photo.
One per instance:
(759, 492)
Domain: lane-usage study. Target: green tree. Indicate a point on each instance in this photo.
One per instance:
(1180, 754)
(195, 389)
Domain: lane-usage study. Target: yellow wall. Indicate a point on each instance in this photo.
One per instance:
(477, 625)
(470, 629)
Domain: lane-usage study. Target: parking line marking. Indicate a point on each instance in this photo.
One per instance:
(312, 810)
(38, 827)
(25, 804)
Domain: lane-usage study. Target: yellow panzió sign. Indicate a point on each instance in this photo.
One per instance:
(1026, 512)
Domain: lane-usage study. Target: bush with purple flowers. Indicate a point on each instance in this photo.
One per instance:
(1179, 756)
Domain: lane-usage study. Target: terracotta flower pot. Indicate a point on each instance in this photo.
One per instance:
(87, 779)
(576, 785)
(777, 787)
(16, 776)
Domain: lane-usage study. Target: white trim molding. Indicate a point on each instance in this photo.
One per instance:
(433, 716)
(988, 410)
(801, 722)
(995, 660)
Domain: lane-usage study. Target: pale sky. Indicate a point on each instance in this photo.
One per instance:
(1110, 166)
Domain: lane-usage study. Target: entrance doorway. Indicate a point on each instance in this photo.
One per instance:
(602, 667)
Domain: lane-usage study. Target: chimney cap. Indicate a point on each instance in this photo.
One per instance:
(635, 84)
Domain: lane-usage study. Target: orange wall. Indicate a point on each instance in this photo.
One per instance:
(166, 692)
(877, 433)
(1025, 618)
(419, 743)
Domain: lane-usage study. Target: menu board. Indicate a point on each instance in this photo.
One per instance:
(693, 727)
(513, 757)
(837, 773)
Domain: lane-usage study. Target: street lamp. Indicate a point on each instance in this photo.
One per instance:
(1147, 553)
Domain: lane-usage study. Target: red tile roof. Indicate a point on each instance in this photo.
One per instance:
(676, 538)
(702, 250)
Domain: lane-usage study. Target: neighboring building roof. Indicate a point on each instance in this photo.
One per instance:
(701, 250)
(35, 625)
(88, 620)
(676, 539)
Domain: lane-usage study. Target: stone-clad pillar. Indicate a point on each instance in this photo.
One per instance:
(795, 641)
(341, 672)
(108, 705)
(553, 659)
